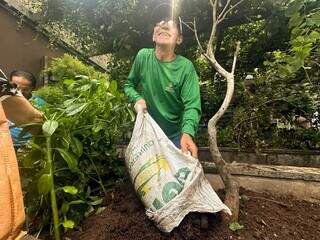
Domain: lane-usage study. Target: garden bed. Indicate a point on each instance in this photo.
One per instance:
(264, 216)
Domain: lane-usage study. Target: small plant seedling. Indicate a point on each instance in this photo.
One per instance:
(235, 227)
(244, 198)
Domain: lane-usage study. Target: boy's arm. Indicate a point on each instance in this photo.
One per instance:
(190, 95)
(130, 86)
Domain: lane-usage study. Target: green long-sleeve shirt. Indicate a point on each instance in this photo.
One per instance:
(170, 89)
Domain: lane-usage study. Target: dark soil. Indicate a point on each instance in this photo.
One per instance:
(263, 216)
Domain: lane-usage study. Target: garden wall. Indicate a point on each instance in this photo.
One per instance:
(21, 46)
(285, 157)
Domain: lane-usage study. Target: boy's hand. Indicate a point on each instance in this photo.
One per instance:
(187, 144)
(140, 105)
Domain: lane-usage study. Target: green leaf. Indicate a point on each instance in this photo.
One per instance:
(294, 7)
(65, 208)
(132, 115)
(70, 189)
(75, 202)
(75, 108)
(82, 76)
(66, 205)
(100, 210)
(44, 184)
(295, 20)
(89, 211)
(235, 227)
(70, 159)
(68, 102)
(76, 146)
(68, 224)
(96, 202)
(68, 82)
(314, 20)
(113, 87)
(313, 36)
(65, 142)
(49, 127)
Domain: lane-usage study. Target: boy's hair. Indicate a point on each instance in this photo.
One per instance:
(27, 75)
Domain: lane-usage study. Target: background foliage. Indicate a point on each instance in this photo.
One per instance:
(279, 52)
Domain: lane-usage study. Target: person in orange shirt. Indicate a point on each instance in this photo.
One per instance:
(16, 108)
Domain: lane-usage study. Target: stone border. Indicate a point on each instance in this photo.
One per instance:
(267, 171)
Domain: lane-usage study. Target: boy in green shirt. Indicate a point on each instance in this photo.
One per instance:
(169, 87)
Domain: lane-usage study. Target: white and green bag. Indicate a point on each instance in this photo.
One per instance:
(169, 183)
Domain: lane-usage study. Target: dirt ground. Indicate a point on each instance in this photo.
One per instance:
(263, 216)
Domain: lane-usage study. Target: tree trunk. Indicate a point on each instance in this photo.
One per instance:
(231, 186)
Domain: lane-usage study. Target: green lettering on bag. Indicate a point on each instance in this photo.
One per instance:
(182, 175)
(157, 204)
(170, 191)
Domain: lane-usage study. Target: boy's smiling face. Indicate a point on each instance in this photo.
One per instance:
(166, 33)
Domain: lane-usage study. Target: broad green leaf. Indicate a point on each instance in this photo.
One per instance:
(70, 189)
(44, 184)
(49, 127)
(75, 108)
(68, 224)
(294, 7)
(70, 159)
(295, 20)
(68, 82)
(76, 146)
(113, 87)
(107, 84)
(68, 102)
(314, 20)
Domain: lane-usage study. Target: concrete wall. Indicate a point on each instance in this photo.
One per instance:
(22, 48)
(286, 157)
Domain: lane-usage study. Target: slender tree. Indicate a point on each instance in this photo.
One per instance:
(231, 185)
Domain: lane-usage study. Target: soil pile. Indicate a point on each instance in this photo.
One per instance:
(263, 216)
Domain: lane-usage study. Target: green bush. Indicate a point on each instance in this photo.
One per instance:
(74, 159)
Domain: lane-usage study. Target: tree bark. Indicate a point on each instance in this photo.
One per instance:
(231, 186)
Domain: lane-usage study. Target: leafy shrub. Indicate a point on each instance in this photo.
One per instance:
(74, 160)
(68, 67)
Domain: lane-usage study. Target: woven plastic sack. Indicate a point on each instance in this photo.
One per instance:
(12, 214)
(169, 183)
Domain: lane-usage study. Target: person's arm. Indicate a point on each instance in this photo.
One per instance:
(130, 86)
(20, 111)
(190, 95)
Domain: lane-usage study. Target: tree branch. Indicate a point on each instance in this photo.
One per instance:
(221, 18)
(194, 29)
(235, 57)
(224, 9)
(210, 49)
